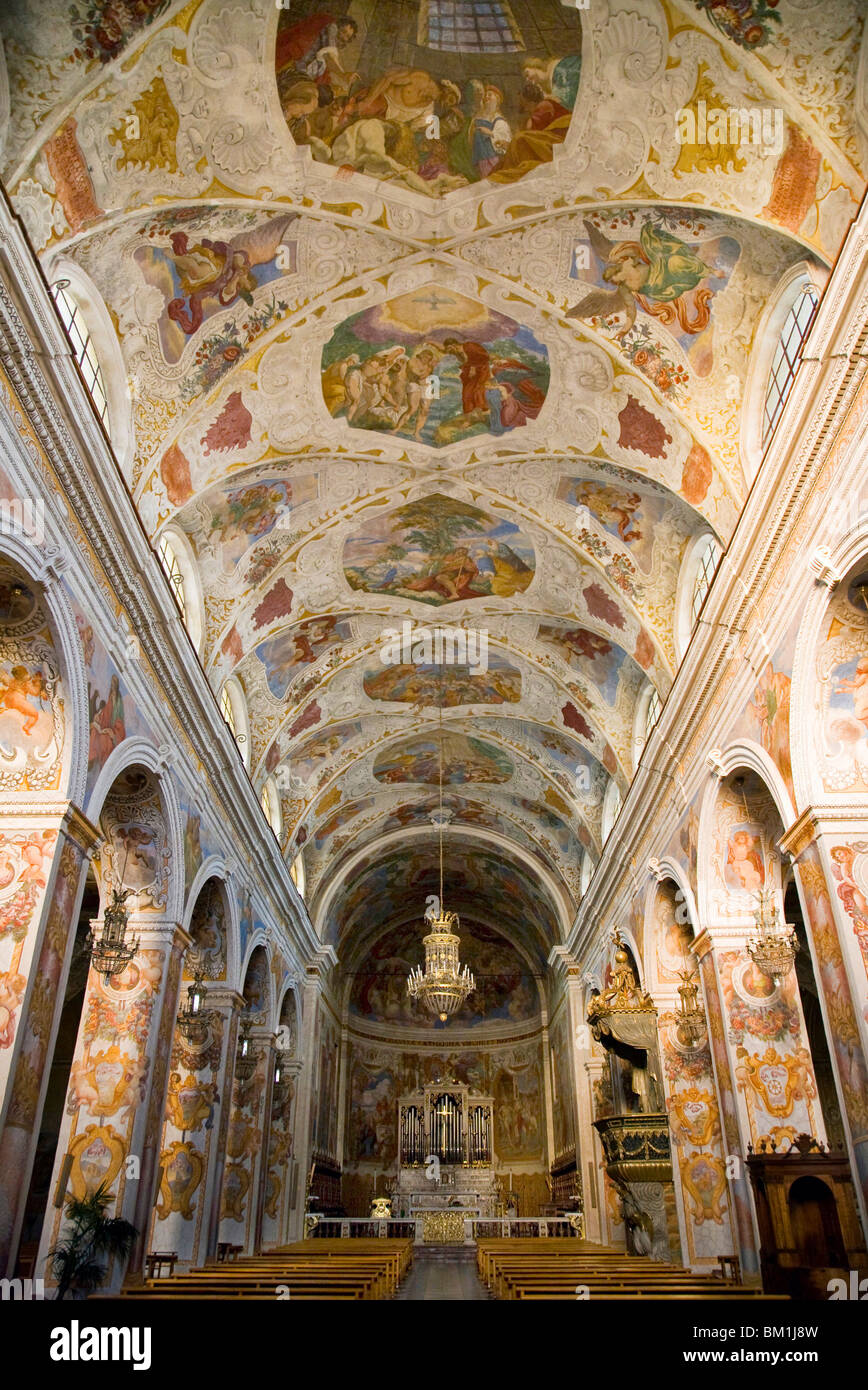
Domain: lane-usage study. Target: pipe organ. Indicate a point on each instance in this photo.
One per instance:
(448, 1121)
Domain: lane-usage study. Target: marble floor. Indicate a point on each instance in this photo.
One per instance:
(443, 1272)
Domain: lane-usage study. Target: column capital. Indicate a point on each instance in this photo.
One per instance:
(801, 833)
(702, 944)
(564, 964)
(317, 967)
(64, 816)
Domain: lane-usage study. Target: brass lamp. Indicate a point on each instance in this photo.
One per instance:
(193, 1020)
(691, 1018)
(110, 950)
(774, 947)
(245, 1061)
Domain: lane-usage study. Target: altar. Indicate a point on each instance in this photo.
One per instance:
(446, 1175)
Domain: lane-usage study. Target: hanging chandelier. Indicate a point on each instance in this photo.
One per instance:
(110, 950)
(690, 1024)
(774, 947)
(193, 1021)
(443, 986)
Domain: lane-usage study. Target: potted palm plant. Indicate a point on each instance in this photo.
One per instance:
(91, 1238)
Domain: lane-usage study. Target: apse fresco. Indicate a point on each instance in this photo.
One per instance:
(505, 988)
(448, 686)
(629, 516)
(670, 265)
(199, 273)
(284, 655)
(465, 759)
(240, 516)
(476, 883)
(590, 653)
(431, 96)
(435, 367)
(437, 551)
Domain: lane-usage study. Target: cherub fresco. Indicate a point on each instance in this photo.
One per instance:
(745, 868)
(672, 279)
(493, 112)
(19, 686)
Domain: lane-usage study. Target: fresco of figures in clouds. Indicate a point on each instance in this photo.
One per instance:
(435, 367)
(438, 551)
(431, 96)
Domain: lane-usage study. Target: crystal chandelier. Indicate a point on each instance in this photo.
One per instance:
(774, 947)
(444, 984)
(110, 951)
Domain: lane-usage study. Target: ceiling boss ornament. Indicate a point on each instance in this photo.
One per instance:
(445, 984)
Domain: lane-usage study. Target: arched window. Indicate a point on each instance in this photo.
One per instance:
(296, 873)
(697, 571)
(177, 560)
(270, 803)
(585, 873)
(172, 565)
(233, 707)
(706, 565)
(786, 359)
(72, 318)
(652, 713)
(612, 804)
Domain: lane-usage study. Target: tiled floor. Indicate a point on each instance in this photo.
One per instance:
(447, 1272)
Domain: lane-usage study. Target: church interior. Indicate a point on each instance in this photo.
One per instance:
(433, 636)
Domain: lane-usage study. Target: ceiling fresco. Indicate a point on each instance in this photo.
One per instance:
(435, 332)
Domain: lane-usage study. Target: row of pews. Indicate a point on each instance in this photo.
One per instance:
(310, 1269)
(569, 1269)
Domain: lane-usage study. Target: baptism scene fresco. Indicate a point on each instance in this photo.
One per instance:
(435, 367)
(432, 96)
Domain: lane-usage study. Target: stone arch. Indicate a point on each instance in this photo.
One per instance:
(256, 982)
(215, 868)
(750, 758)
(668, 931)
(39, 635)
(207, 925)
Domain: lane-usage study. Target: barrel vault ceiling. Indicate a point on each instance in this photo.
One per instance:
(298, 219)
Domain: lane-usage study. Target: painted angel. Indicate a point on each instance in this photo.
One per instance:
(659, 273)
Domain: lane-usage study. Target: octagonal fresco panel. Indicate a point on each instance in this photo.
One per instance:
(435, 367)
(439, 550)
(432, 96)
(465, 759)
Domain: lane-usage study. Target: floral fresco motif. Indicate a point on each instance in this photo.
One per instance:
(465, 759)
(750, 23)
(103, 28)
(438, 551)
(436, 367)
(493, 99)
(629, 516)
